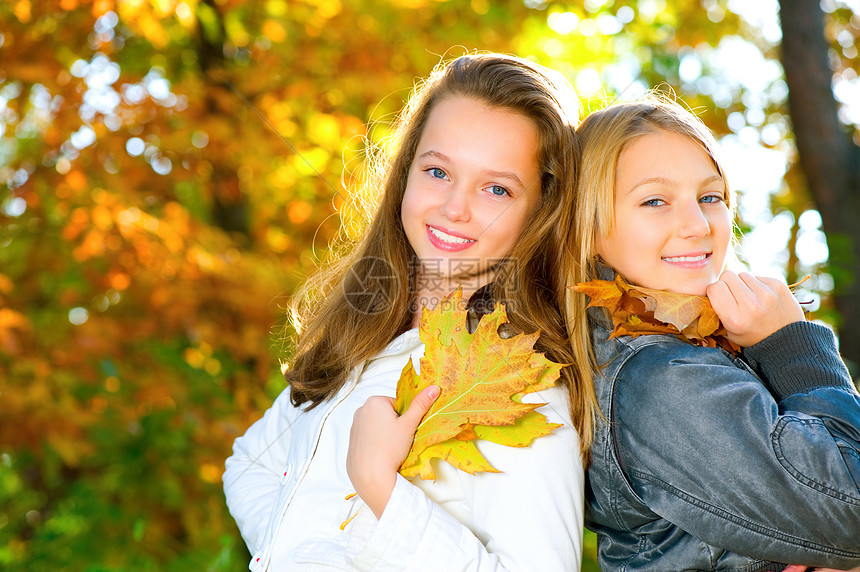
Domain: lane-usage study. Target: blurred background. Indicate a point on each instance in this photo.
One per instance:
(170, 171)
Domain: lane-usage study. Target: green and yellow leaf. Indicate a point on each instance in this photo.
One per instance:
(482, 378)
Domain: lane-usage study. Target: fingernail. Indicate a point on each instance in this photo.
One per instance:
(433, 391)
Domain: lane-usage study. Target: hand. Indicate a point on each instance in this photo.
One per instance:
(379, 442)
(752, 308)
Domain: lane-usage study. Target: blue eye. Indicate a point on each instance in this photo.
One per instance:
(437, 173)
(709, 199)
(499, 191)
(653, 203)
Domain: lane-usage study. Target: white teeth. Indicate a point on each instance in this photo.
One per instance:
(444, 236)
(685, 258)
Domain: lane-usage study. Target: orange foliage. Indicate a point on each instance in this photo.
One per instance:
(142, 288)
(638, 311)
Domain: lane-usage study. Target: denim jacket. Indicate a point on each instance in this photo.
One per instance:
(715, 462)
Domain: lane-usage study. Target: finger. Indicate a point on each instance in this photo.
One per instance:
(752, 282)
(774, 284)
(720, 295)
(420, 406)
(727, 275)
(735, 284)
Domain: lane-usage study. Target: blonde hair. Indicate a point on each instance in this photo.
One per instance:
(364, 300)
(603, 135)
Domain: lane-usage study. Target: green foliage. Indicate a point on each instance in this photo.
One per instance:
(171, 171)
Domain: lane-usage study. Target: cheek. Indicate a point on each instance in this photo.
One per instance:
(724, 236)
(601, 246)
(721, 227)
(512, 226)
(625, 248)
(501, 236)
(410, 208)
(607, 245)
(502, 232)
(615, 245)
(516, 222)
(727, 222)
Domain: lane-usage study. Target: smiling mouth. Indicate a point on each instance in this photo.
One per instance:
(445, 237)
(676, 259)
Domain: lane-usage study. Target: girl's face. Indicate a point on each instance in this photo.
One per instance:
(474, 180)
(672, 225)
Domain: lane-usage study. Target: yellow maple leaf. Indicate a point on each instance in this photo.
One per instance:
(482, 378)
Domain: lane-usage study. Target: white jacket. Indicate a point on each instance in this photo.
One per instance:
(286, 486)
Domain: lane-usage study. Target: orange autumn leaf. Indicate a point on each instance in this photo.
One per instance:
(483, 378)
(692, 315)
(638, 311)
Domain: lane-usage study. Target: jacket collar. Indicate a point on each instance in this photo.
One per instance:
(405, 342)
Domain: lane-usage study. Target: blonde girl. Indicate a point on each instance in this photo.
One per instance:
(478, 193)
(707, 460)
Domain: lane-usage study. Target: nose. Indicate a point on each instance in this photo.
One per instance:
(455, 206)
(692, 221)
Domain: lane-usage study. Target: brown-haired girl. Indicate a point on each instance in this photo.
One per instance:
(478, 193)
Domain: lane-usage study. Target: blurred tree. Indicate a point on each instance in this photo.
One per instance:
(723, 59)
(170, 172)
(172, 169)
(829, 151)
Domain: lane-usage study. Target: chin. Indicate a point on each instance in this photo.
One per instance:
(702, 291)
(691, 290)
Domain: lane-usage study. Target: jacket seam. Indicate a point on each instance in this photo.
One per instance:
(613, 446)
(281, 507)
(847, 450)
(796, 473)
(742, 522)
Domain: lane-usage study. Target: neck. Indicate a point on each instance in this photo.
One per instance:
(433, 288)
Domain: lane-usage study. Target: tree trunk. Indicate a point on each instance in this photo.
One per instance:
(828, 156)
(230, 211)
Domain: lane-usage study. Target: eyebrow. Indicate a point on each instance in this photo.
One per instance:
(673, 183)
(511, 176)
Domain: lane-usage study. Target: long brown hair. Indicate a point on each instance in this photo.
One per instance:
(363, 301)
(603, 135)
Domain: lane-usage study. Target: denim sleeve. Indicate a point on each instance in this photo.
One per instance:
(739, 465)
